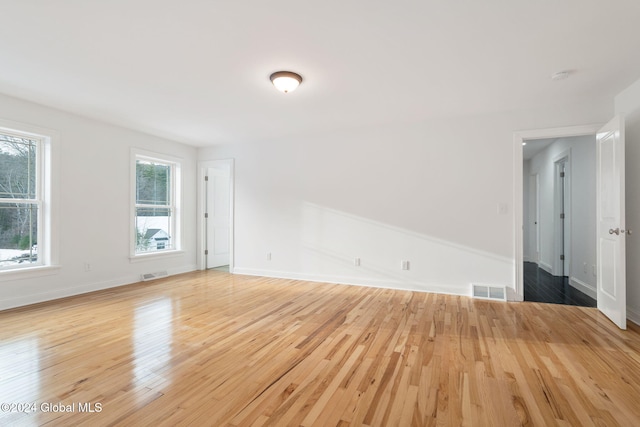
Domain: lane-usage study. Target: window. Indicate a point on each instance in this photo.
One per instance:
(24, 211)
(156, 227)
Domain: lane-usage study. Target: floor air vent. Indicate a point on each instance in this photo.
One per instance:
(498, 293)
(156, 275)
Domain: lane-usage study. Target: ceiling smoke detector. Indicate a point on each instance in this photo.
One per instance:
(560, 75)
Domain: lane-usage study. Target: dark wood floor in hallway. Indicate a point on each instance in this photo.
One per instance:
(215, 349)
(540, 286)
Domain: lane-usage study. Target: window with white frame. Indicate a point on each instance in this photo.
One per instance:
(156, 225)
(22, 200)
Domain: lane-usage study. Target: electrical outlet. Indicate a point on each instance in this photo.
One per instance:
(87, 266)
(406, 265)
(584, 268)
(356, 262)
(268, 256)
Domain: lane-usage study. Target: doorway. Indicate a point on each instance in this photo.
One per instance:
(610, 270)
(216, 215)
(559, 227)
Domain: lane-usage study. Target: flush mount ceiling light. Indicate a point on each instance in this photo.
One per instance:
(286, 81)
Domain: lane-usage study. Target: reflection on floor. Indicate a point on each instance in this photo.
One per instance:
(540, 286)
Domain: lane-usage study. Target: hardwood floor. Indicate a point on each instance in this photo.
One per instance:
(540, 286)
(214, 349)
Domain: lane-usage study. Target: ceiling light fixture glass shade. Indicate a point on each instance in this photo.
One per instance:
(286, 81)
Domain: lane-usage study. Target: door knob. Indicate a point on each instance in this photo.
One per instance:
(618, 231)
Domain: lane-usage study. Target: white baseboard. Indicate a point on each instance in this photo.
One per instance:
(452, 289)
(546, 267)
(513, 296)
(182, 270)
(21, 301)
(583, 287)
(633, 315)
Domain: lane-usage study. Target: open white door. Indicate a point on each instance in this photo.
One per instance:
(611, 230)
(218, 215)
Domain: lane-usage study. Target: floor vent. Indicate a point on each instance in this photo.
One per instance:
(156, 275)
(498, 293)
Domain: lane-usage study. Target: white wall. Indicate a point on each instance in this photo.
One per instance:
(94, 203)
(582, 153)
(429, 193)
(627, 103)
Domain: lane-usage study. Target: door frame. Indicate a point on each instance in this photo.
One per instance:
(518, 138)
(534, 220)
(201, 203)
(537, 218)
(530, 238)
(562, 228)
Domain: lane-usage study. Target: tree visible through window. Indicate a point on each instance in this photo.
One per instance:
(155, 205)
(20, 200)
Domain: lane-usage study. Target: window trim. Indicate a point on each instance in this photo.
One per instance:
(47, 161)
(176, 196)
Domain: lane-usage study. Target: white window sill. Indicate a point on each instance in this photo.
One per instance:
(155, 255)
(29, 272)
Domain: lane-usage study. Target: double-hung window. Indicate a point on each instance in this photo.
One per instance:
(156, 211)
(21, 200)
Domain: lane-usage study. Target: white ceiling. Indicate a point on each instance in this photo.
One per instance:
(535, 146)
(197, 71)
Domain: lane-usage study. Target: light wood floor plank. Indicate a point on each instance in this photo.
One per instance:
(214, 349)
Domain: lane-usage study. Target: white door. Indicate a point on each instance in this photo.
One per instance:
(611, 231)
(537, 218)
(218, 215)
